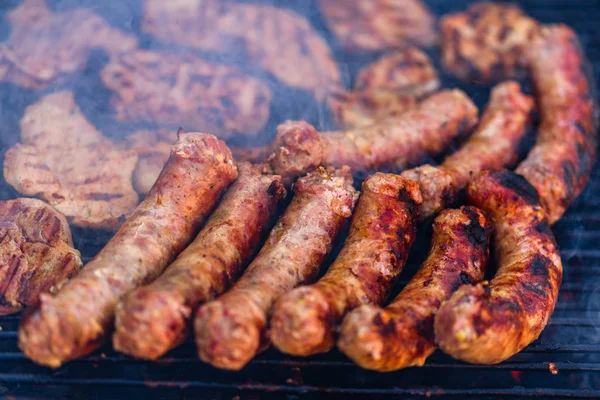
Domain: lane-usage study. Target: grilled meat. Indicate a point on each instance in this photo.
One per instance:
(279, 41)
(181, 90)
(394, 144)
(205, 269)
(231, 330)
(385, 88)
(78, 318)
(64, 160)
(486, 324)
(44, 47)
(377, 25)
(384, 226)
(37, 253)
(561, 161)
(493, 145)
(401, 334)
(252, 154)
(487, 42)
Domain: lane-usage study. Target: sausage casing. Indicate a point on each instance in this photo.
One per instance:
(77, 319)
(383, 229)
(486, 324)
(204, 270)
(401, 334)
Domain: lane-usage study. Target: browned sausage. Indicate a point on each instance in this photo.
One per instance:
(486, 324)
(493, 145)
(77, 319)
(153, 319)
(401, 334)
(231, 330)
(396, 143)
(561, 162)
(383, 229)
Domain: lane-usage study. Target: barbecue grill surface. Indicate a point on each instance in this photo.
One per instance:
(571, 341)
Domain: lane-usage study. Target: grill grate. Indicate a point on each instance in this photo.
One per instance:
(571, 341)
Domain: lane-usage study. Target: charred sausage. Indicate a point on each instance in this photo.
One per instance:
(401, 334)
(205, 269)
(231, 330)
(494, 144)
(488, 323)
(77, 319)
(383, 229)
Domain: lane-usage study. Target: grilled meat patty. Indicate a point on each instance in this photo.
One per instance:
(401, 334)
(44, 47)
(230, 330)
(37, 253)
(377, 25)
(277, 40)
(488, 323)
(175, 89)
(78, 318)
(494, 144)
(393, 144)
(383, 229)
(204, 270)
(560, 163)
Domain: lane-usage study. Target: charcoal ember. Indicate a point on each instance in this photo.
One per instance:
(44, 47)
(36, 253)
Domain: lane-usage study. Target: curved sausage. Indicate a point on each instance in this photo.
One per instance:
(77, 319)
(231, 330)
(383, 229)
(494, 144)
(205, 269)
(424, 130)
(488, 323)
(561, 161)
(401, 334)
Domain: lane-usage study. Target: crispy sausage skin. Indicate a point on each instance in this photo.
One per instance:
(231, 330)
(204, 270)
(401, 334)
(424, 130)
(383, 229)
(493, 145)
(561, 161)
(77, 319)
(486, 324)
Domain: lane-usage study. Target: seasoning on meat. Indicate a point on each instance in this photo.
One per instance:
(44, 47)
(488, 42)
(176, 89)
(493, 145)
(401, 334)
(393, 144)
(277, 40)
(78, 318)
(376, 25)
(37, 253)
(153, 319)
(488, 323)
(385, 88)
(561, 161)
(231, 330)
(383, 229)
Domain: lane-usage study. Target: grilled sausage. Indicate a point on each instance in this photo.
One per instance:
(401, 334)
(231, 330)
(487, 42)
(77, 319)
(561, 161)
(486, 324)
(424, 130)
(205, 269)
(383, 229)
(493, 145)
